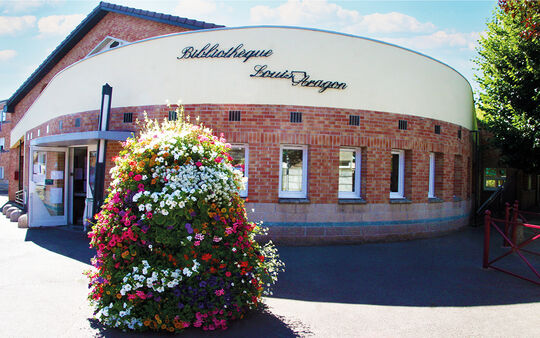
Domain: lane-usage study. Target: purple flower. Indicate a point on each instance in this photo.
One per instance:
(193, 213)
(157, 298)
(188, 228)
(170, 227)
(180, 306)
(202, 284)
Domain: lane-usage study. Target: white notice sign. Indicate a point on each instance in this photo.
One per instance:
(57, 175)
(56, 195)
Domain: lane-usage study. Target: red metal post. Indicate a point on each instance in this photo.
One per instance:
(506, 222)
(487, 225)
(514, 222)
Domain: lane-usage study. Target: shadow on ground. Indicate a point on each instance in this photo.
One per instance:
(444, 271)
(70, 243)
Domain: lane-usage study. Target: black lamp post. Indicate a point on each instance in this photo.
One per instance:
(104, 117)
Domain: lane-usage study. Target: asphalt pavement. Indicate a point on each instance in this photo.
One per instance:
(420, 288)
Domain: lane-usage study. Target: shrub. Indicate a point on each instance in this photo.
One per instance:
(174, 246)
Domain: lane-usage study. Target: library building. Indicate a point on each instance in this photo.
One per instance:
(342, 138)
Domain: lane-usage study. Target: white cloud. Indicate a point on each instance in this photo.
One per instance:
(18, 6)
(196, 8)
(330, 15)
(7, 54)
(10, 25)
(59, 24)
(439, 39)
(393, 22)
(302, 12)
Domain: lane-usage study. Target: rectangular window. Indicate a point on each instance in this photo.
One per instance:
(172, 115)
(1, 173)
(235, 115)
(349, 173)
(293, 172)
(354, 120)
(78, 122)
(2, 143)
(402, 124)
(296, 117)
(431, 189)
(128, 117)
(60, 124)
(437, 129)
(240, 155)
(493, 178)
(397, 174)
(459, 133)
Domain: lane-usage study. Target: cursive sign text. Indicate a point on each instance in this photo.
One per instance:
(298, 78)
(214, 51)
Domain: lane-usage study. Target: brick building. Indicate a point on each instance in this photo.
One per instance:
(343, 138)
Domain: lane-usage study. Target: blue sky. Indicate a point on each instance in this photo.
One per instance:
(444, 30)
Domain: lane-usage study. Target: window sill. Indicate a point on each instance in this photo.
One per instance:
(351, 201)
(435, 200)
(400, 201)
(293, 200)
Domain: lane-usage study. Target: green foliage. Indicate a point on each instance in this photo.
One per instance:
(509, 61)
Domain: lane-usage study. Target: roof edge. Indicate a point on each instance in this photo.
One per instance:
(83, 28)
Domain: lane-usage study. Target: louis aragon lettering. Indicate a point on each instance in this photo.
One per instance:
(214, 51)
(298, 78)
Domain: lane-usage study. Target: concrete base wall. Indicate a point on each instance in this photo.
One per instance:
(305, 224)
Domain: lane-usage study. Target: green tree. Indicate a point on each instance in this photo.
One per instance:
(509, 64)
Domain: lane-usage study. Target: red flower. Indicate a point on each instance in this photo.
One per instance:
(206, 257)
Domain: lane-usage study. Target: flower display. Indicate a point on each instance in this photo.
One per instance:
(174, 246)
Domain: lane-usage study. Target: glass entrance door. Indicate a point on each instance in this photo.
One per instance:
(47, 200)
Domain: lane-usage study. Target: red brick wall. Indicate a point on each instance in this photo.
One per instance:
(324, 130)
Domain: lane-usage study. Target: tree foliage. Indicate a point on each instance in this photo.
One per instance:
(509, 62)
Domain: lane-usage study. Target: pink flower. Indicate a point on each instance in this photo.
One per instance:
(198, 163)
(217, 239)
(218, 159)
(141, 187)
(197, 243)
(220, 292)
(141, 295)
(149, 214)
(131, 296)
(137, 177)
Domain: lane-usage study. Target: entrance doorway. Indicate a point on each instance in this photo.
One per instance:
(82, 178)
(47, 205)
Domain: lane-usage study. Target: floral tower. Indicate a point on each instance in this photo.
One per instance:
(174, 246)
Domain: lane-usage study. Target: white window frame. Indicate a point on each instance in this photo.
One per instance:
(294, 194)
(1, 173)
(431, 188)
(244, 193)
(2, 144)
(401, 174)
(357, 175)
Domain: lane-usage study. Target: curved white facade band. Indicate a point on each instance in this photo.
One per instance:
(287, 66)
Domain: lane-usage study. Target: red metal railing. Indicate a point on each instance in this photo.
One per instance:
(514, 221)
